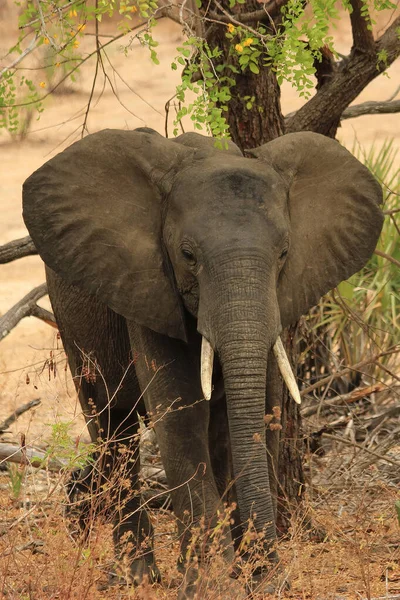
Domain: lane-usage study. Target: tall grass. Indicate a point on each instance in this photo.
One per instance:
(362, 316)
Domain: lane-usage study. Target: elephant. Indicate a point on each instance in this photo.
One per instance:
(174, 266)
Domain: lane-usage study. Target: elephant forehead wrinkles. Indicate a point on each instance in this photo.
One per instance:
(237, 185)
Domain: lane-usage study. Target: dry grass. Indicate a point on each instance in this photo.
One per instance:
(351, 551)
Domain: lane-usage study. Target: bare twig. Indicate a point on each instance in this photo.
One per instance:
(96, 71)
(342, 440)
(30, 48)
(17, 413)
(388, 257)
(26, 307)
(342, 399)
(347, 370)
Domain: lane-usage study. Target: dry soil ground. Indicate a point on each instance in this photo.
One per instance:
(358, 557)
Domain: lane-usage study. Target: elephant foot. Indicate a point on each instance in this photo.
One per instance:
(198, 585)
(273, 583)
(144, 570)
(141, 572)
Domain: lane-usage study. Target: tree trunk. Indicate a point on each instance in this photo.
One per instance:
(250, 128)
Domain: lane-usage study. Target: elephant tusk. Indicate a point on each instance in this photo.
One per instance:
(206, 367)
(286, 370)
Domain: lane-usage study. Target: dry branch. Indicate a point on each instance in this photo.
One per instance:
(388, 257)
(28, 455)
(17, 413)
(329, 378)
(347, 442)
(342, 399)
(371, 108)
(38, 458)
(17, 249)
(26, 307)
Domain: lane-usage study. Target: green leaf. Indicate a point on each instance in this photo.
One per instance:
(254, 68)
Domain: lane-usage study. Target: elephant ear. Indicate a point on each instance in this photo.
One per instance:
(334, 213)
(94, 214)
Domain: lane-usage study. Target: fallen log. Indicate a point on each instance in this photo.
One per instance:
(30, 456)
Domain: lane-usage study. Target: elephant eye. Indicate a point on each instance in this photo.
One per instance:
(284, 254)
(188, 255)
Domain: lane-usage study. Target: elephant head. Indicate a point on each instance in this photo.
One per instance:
(160, 230)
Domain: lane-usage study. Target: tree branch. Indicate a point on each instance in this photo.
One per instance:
(388, 257)
(31, 456)
(17, 413)
(270, 11)
(26, 307)
(30, 48)
(371, 108)
(363, 40)
(323, 112)
(17, 249)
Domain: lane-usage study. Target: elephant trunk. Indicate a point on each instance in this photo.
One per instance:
(245, 326)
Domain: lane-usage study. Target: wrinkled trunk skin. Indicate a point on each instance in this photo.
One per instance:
(245, 325)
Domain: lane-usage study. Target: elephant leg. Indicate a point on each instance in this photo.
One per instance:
(168, 372)
(97, 345)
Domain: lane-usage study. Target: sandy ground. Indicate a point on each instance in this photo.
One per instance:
(23, 371)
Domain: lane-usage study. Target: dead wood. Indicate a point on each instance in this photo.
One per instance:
(17, 249)
(329, 378)
(17, 413)
(38, 458)
(342, 399)
(388, 257)
(28, 455)
(26, 307)
(347, 442)
(371, 108)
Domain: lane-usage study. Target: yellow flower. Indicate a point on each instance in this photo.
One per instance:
(231, 28)
(58, 64)
(72, 13)
(239, 48)
(81, 27)
(76, 44)
(133, 9)
(248, 42)
(46, 41)
(42, 84)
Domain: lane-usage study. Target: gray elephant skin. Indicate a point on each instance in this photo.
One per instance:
(152, 245)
